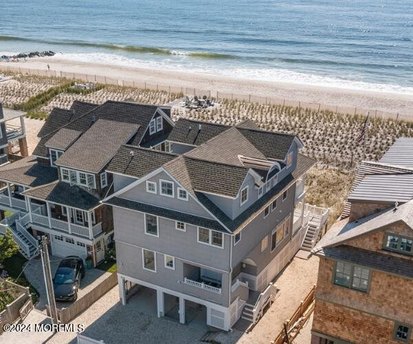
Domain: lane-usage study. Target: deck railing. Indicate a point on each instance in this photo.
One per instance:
(265, 298)
(202, 285)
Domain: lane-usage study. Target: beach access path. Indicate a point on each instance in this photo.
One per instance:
(336, 99)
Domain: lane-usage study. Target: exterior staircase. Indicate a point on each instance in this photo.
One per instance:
(28, 245)
(317, 220)
(248, 312)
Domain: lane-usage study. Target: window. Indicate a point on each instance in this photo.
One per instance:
(151, 187)
(210, 237)
(103, 180)
(151, 226)
(79, 216)
(260, 191)
(167, 188)
(216, 238)
(352, 276)
(264, 244)
(81, 244)
(54, 155)
(82, 178)
(274, 205)
(237, 238)
(65, 174)
(69, 240)
(285, 195)
(182, 194)
(180, 226)
(152, 127)
(266, 211)
(402, 332)
(64, 211)
(149, 260)
(289, 159)
(398, 243)
(159, 123)
(279, 233)
(244, 195)
(73, 177)
(169, 262)
(203, 235)
(91, 181)
(58, 237)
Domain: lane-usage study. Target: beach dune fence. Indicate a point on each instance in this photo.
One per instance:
(213, 94)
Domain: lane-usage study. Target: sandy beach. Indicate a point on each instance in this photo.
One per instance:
(337, 99)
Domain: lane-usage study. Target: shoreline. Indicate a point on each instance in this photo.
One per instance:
(380, 103)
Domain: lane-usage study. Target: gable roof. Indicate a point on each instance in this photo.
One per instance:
(28, 172)
(62, 139)
(187, 131)
(97, 146)
(137, 161)
(400, 153)
(64, 193)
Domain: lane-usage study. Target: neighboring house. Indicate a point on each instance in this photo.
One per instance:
(12, 130)
(57, 192)
(365, 281)
(208, 218)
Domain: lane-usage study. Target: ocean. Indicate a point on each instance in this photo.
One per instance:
(365, 44)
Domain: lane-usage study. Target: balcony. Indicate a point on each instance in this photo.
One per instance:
(12, 199)
(202, 278)
(202, 285)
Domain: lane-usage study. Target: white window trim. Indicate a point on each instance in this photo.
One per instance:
(160, 188)
(103, 180)
(240, 196)
(143, 260)
(152, 122)
(276, 205)
(148, 182)
(173, 260)
(157, 226)
(260, 191)
(181, 198)
(210, 238)
(286, 195)
(179, 229)
(236, 242)
(57, 151)
(269, 211)
(77, 175)
(68, 175)
(159, 123)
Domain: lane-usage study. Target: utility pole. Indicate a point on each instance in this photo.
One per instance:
(47, 272)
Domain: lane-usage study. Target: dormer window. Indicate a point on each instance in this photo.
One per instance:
(399, 244)
(103, 180)
(78, 178)
(54, 155)
(152, 127)
(159, 123)
(244, 196)
(155, 125)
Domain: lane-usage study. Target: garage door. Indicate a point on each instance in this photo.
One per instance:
(65, 246)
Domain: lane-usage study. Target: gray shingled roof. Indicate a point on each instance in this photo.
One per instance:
(80, 108)
(272, 145)
(225, 148)
(384, 188)
(187, 131)
(29, 172)
(97, 146)
(138, 162)
(371, 259)
(63, 138)
(400, 153)
(66, 194)
(170, 214)
(207, 176)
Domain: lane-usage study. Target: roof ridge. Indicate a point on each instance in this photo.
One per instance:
(204, 122)
(126, 145)
(214, 162)
(265, 131)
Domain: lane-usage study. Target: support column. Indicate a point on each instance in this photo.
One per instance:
(182, 310)
(89, 221)
(48, 215)
(122, 291)
(23, 147)
(160, 303)
(9, 192)
(29, 203)
(69, 216)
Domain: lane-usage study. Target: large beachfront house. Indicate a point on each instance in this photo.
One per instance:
(57, 192)
(365, 281)
(208, 218)
(12, 133)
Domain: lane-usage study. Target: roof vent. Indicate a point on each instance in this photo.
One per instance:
(132, 153)
(199, 127)
(189, 128)
(396, 205)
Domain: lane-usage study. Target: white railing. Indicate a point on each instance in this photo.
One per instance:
(18, 203)
(97, 229)
(40, 219)
(58, 224)
(202, 285)
(86, 340)
(238, 284)
(267, 296)
(5, 200)
(79, 230)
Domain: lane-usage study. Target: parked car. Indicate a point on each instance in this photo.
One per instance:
(67, 278)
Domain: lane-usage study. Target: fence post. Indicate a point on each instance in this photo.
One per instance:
(217, 95)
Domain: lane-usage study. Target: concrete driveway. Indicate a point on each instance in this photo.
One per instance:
(34, 274)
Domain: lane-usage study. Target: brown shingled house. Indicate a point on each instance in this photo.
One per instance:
(365, 281)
